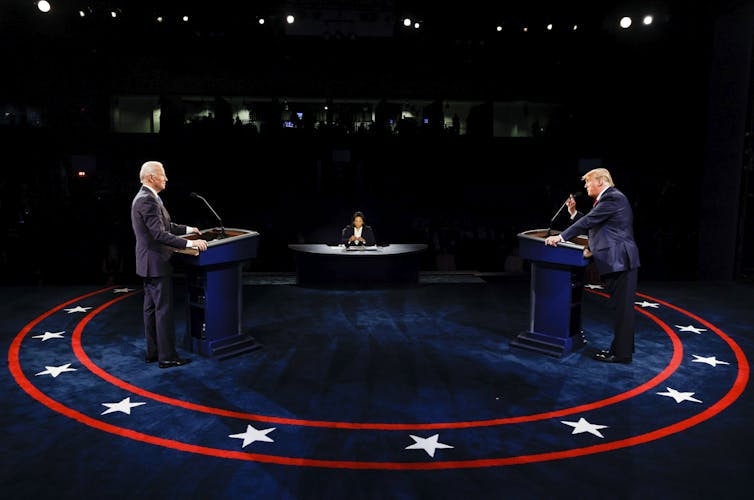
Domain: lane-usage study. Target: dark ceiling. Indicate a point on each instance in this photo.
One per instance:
(342, 47)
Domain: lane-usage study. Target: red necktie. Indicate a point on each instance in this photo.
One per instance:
(595, 203)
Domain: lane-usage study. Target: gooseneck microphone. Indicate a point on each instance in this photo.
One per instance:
(222, 228)
(549, 228)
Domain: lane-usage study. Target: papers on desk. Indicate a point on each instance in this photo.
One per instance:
(361, 248)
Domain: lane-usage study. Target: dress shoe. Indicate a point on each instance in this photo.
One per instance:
(150, 359)
(608, 357)
(174, 362)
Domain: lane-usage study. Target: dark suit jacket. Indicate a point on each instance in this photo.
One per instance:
(366, 233)
(155, 235)
(609, 226)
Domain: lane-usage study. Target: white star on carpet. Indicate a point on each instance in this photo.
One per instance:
(690, 328)
(598, 287)
(646, 304)
(429, 444)
(57, 370)
(123, 290)
(253, 434)
(711, 360)
(49, 335)
(679, 396)
(123, 406)
(583, 426)
(77, 309)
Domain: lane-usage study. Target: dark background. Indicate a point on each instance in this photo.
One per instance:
(665, 107)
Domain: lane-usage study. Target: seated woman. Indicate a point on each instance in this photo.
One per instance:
(356, 233)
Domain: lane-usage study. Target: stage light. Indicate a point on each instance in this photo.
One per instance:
(625, 22)
(185, 19)
(416, 25)
(82, 13)
(113, 14)
(499, 28)
(289, 19)
(575, 27)
(647, 20)
(406, 22)
(44, 6)
(261, 20)
(526, 29)
(549, 27)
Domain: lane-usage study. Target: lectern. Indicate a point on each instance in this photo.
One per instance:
(215, 292)
(555, 292)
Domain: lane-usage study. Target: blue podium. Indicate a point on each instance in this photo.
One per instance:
(555, 293)
(215, 292)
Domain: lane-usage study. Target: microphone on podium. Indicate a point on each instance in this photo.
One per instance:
(549, 228)
(222, 228)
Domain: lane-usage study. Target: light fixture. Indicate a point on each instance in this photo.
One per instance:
(549, 27)
(416, 25)
(648, 20)
(159, 19)
(406, 22)
(113, 14)
(185, 19)
(44, 6)
(82, 13)
(499, 28)
(625, 22)
(261, 20)
(289, 19)
(575, 27)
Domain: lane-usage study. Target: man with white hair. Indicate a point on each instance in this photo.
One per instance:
(156, 239)
(609, 225)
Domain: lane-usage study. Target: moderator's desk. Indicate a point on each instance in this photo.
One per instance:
(318, 264)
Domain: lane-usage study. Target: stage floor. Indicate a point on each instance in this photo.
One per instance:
(410, 392)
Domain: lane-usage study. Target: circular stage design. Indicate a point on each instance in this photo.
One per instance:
(393, 441)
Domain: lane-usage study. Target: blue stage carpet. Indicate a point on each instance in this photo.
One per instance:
(387, 393)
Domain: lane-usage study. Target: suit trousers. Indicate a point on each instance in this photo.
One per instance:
(159, 327)
(621, 286)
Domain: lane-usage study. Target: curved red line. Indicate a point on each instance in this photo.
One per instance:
(86, 361)
(726, 401)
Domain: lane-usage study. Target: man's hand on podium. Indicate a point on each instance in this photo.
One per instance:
(200, 245)
(553, 240)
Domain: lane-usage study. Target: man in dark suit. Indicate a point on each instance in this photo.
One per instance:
(357, 233)
(156, 240)
(611, 242)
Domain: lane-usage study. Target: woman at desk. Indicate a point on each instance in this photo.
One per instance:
(356, 233)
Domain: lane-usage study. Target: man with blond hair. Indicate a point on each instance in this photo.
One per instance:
(609, 225)
(156, 239)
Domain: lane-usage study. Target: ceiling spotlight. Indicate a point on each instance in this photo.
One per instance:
(625, 22)
(260, 20)
(289, 19)
(185, 19)
(499, 28)
(416, 25)
(82, 13)
(159, 19)
(526, 29)
(575, 27)
(406, 22)
(44, 6)
(113, 14)
(549, 27)
(647, 20)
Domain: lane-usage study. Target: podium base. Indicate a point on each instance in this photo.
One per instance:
(224, 348)
(548, 344)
